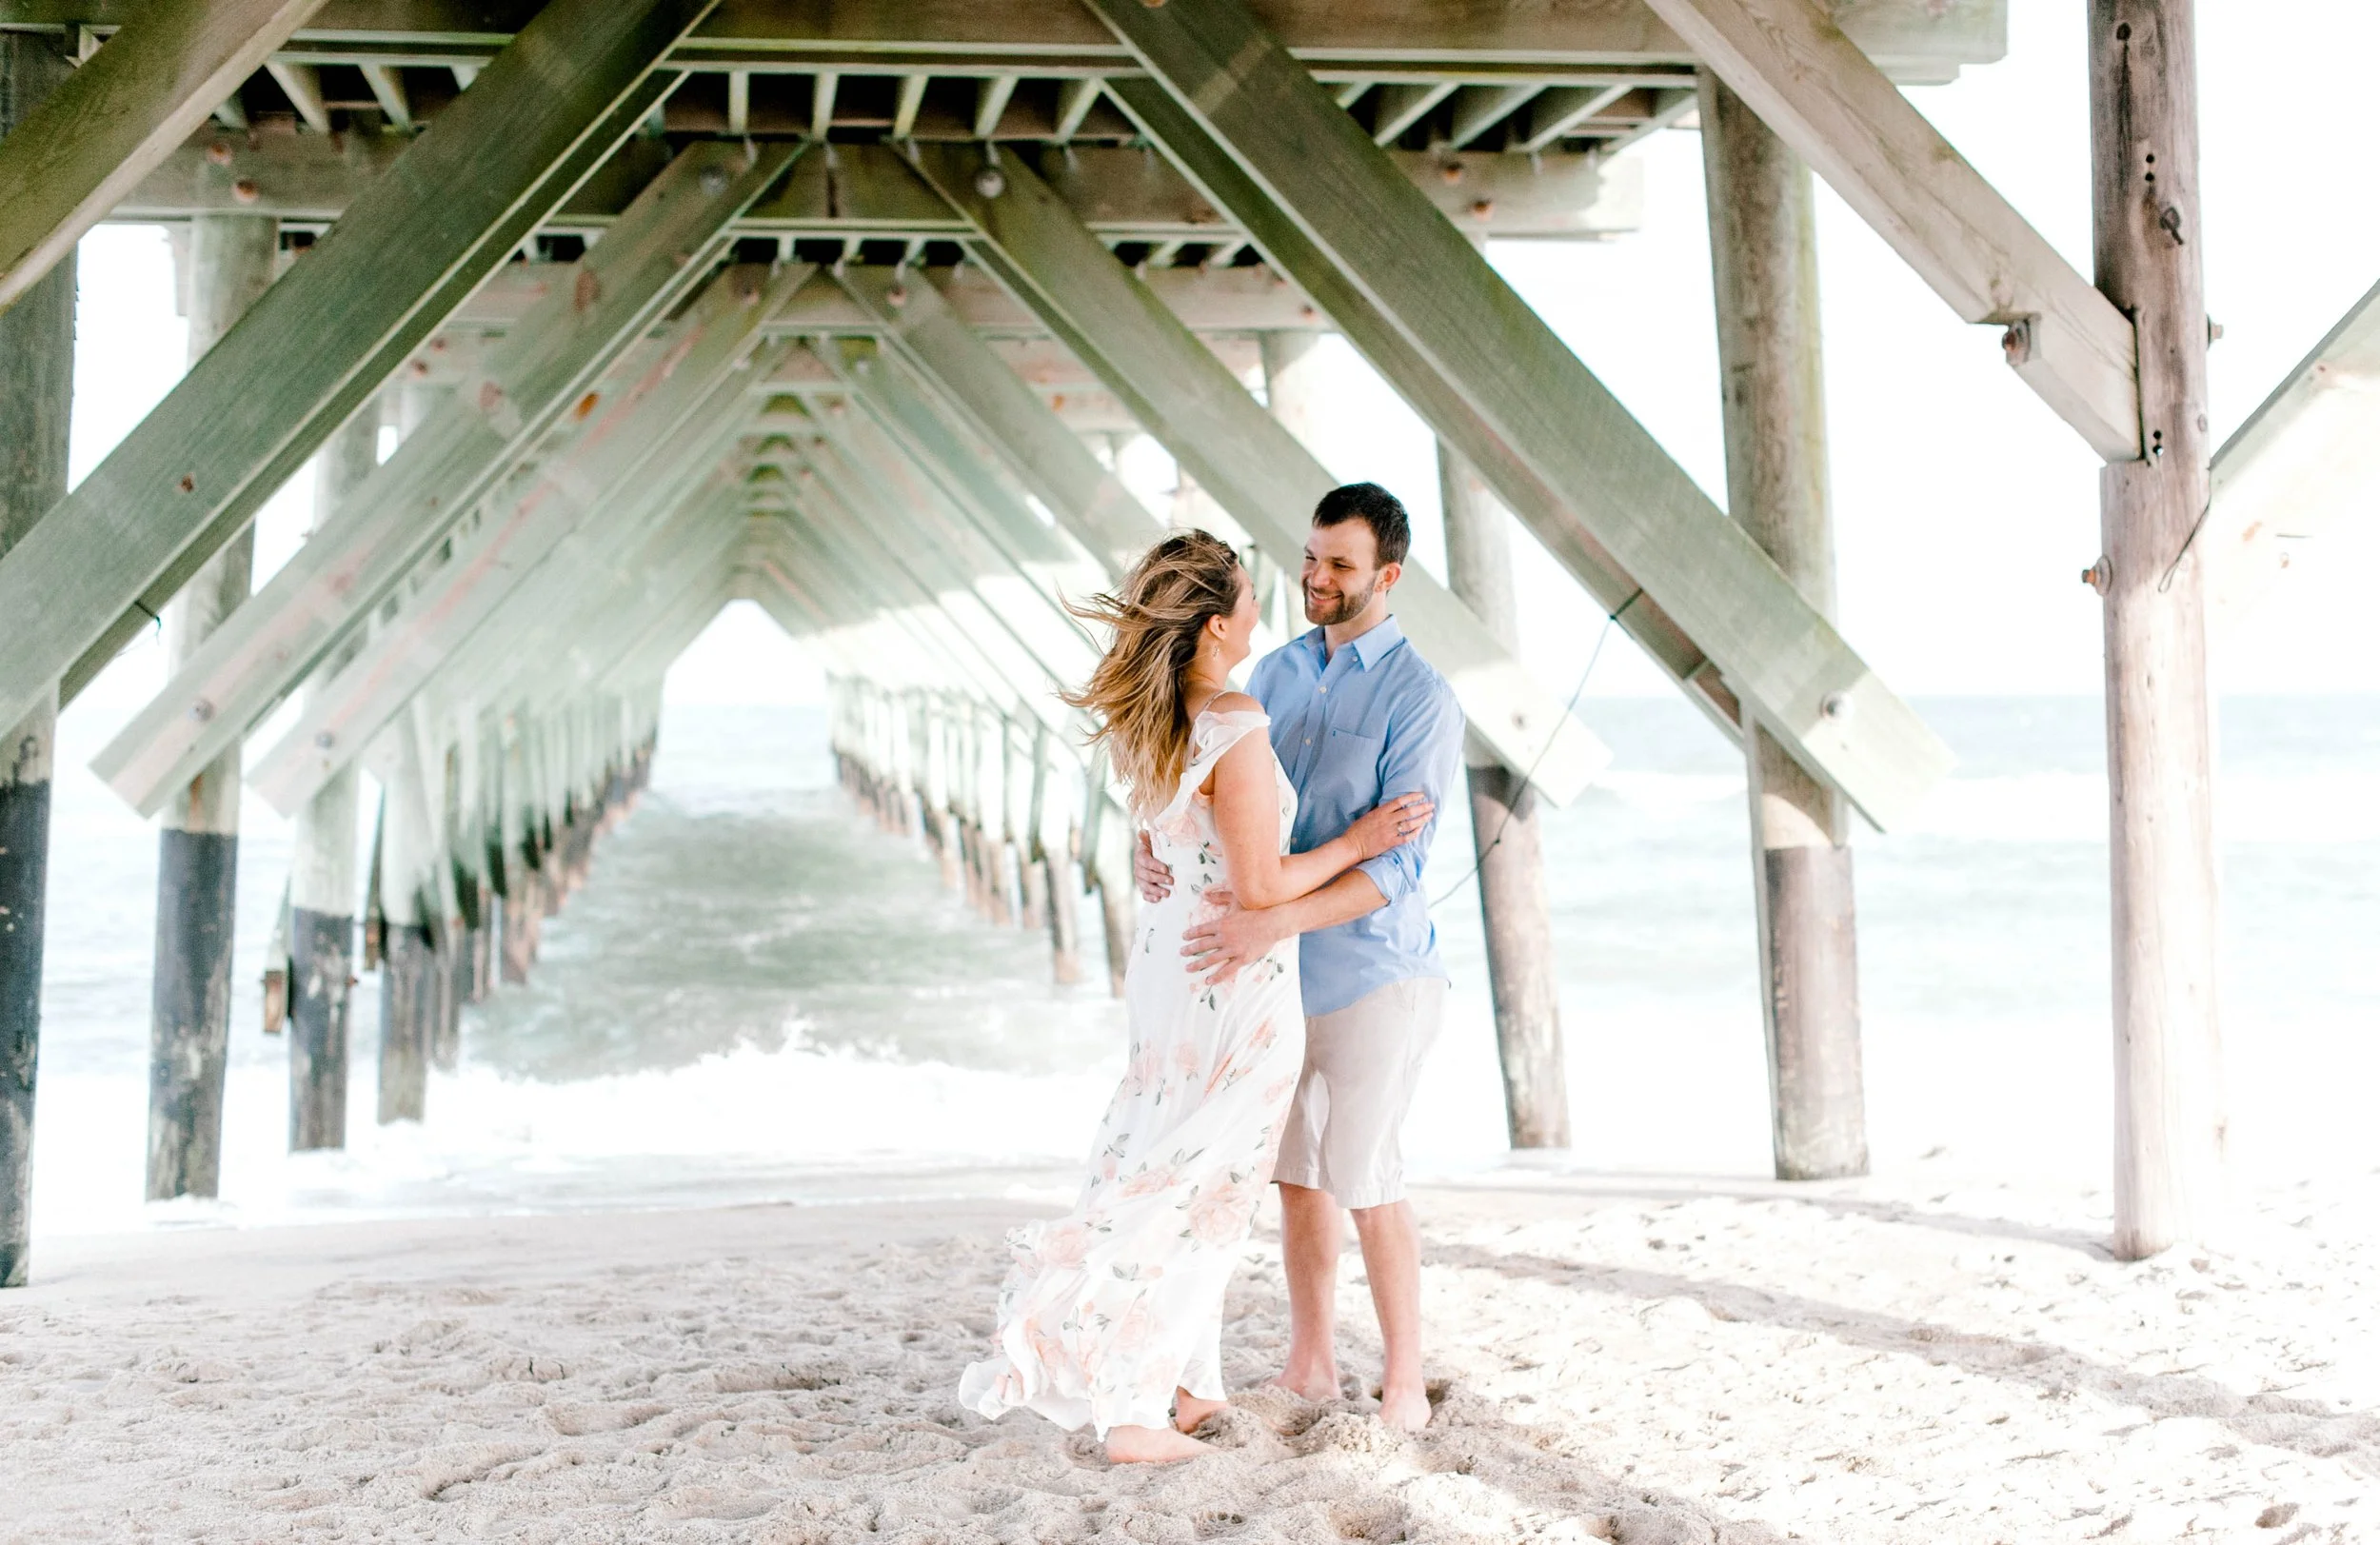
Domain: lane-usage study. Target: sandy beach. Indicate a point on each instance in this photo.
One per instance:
(1917, 1357)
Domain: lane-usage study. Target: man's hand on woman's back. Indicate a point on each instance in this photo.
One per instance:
(1156, 879)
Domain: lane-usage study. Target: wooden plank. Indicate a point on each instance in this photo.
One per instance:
(1425, 307)
(866, 190)
(1809, 81)
(1091, 502)
(98, 134)
(621, 440)
(1356, 39)
(439, 472)
(303, 85)
(250, 412)
(2305, 458)
(2170, 1134)
(1254, 466)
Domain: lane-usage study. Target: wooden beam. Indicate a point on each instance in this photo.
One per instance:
(2305, 458)
(1401, 106)
(1075, 101)
(439, 473)
(98, 134)
(388, 85)
(866, 191)
(255, 410)
(1253, 466)
(991, 100)
(1423, 306)
(738, 101)
(1764, 262)
(637, 438)
(303, 85)
(1091, 502)
(1809, 81)
(823, 102)
(1562, 108)
(2170, 1143)
(905, 109)
(1479, 108)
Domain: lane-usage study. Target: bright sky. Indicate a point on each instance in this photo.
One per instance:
(1965, 510)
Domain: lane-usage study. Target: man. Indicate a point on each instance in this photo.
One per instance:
(1358, 717)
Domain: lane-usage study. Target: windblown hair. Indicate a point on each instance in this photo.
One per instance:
(1156, 615)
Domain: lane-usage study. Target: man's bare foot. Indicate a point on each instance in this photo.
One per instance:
(1189, 1410)
(1320, 1387)
(1150, 1445)
(1407, 1410)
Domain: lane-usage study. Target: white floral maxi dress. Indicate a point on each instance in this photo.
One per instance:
(1105, 1310)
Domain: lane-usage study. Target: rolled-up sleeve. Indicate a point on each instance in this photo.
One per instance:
(1424, 748)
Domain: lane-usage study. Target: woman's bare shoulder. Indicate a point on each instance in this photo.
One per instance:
(1232, 702)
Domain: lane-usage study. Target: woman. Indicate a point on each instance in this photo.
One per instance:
(1113, 1315)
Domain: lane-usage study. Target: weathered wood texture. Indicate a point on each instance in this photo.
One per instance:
(256, 408)
(2304, 459)
(322, 877)
(1341, 39)
(1487, 373)
(1764, 266)
(232, 259)
(1254, 468)
(1092, 503)
(36, 395)
(2145, 218)
(1516, 914)
(619, 436)
(437, 476)
(1808, 80)
(863, 191)
(102, 130)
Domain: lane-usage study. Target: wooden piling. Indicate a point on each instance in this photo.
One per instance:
(1515, 912)
(2148, 241)
(36, 394)
(233, 258)
(322, 874)
(1764, 268)
(410, 961)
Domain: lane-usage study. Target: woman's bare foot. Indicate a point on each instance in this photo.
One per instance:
(1189, 1410)
(1407, 1410)
(1150, 1445)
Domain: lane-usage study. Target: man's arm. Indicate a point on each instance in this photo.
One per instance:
(1425, 749)
(1221, 948)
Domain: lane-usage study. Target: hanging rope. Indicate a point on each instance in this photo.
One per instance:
(1611, 620)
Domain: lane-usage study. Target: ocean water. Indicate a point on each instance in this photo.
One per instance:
(762, 997)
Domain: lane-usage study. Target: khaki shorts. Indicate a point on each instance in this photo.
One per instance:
(1345, 1134)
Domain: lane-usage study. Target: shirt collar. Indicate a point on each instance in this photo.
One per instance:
(1368, 648)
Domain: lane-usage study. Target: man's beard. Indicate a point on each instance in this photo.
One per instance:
(1346, 608)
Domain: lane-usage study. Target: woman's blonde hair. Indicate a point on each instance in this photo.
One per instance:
(1156, 615)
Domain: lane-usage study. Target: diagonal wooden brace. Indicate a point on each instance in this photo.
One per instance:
(249, 414)
(1533, 419)
(1824, 97)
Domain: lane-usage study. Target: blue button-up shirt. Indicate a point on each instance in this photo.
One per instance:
(1372, 721)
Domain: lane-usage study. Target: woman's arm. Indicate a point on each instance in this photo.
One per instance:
(1247, 820)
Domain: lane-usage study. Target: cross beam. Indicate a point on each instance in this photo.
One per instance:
(440, 472)
(108, 124)
(637, 439)
(2306, 456)
(260, 402)
(1424, 306)
(1238, 452)
(1810, 83)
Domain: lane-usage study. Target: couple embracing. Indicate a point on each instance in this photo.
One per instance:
(1284, 988)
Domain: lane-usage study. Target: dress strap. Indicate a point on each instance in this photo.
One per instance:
(1211, 735)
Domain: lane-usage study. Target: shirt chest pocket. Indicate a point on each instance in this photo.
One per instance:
(1347, 774)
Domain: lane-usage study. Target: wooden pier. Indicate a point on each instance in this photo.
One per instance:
(844, 311)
